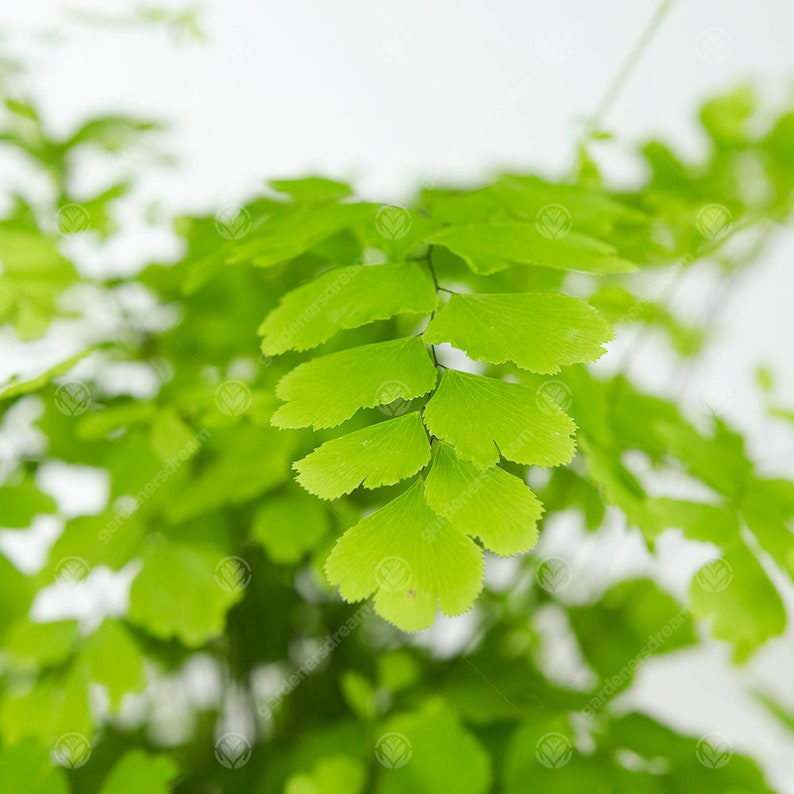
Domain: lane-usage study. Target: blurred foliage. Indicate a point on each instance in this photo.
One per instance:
(235, 666)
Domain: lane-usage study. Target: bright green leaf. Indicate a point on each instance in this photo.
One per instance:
(494, 505)
(363, 377)
(538, 331)
(290, 526)
(344, 298)
(485, 419)
(382, 454)
(489, 247)
(411, 558)
(137, 771)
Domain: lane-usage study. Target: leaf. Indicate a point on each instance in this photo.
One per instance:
(363, 377)
(537, 331)
(15, 387)
(41, 645)
(340, 774)
(290, 526)
(489, 247)
(495, 506)
(633, 620)
(27, 766)
(287, 234)
(158, 601)
(312, 188)
(137, 771)
(485, 419)
(744, 606)
(412, 559)
(344, 298)
(429, 750)
(21, 503)
(114, 660)
(382, 454)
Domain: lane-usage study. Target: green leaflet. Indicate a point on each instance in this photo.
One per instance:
(289, 527)
(339, 774)
(114, 660)
(295, 230)
(33, 275)
(485, 419)
(444, 755)
(138, 771)
(537, 331)
(159, 599)
(22, 502)
(343, 298)
(366, 376)
(17, 387)
(488, 247)
(27, 766)
(494, 505)
(382, 454)
(411, 559)
(312, 188)
(735, 592)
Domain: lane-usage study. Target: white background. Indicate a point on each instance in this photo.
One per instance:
(393, 94)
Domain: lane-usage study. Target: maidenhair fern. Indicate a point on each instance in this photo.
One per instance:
(458, 427)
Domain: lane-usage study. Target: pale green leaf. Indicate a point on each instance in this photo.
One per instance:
(493, 505)
(21, 503)
(488, 247)
(27, 767)
(177, 593)
(343, 298)
(741, 602)
(411, 558)
(137, 772)
(330, 389)
(339, 774)
(382, 454)
(429, 751)
(312, 188)
(537, 331)
(290, 526)
(17, 387)
(114, 660)
(485, 419)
